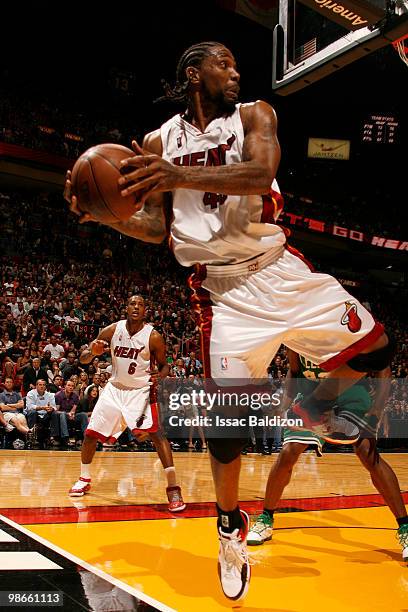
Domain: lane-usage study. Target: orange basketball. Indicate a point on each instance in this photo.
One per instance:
(94, 181)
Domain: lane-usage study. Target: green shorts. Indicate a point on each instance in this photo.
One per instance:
(352, 404)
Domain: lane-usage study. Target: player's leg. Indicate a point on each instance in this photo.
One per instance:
(105, 422)
(337, 381)
(385, 481)
(336, 332)
(233, 524)
(279, 477)
(19, 422)
(173, 489)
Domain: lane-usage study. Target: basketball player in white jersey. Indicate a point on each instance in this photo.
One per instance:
(129, 397)
(215, 164)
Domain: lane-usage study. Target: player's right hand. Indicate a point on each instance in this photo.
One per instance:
(98, 347)
(73, 202)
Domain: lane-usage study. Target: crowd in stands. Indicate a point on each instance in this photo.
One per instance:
(347, 201)
(46, 126)
(61, 282)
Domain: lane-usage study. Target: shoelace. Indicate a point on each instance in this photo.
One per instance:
(402, 536)
(235, 554)
(261, 522)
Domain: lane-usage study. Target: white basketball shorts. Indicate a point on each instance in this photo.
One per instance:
(247, 310)
(117, 409)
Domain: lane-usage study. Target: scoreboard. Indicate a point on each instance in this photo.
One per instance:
(380, 128)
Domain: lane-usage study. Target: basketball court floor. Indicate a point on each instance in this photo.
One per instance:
(334, 542)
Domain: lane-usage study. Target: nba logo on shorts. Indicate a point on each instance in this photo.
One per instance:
(224, 363)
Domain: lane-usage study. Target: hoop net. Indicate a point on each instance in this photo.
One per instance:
(401, 46)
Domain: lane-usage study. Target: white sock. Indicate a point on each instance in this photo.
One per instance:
(171, 476)
(86, 470)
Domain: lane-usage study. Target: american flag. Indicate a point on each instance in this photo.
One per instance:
(305, 51)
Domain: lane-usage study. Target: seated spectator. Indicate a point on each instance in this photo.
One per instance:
(67, 402)
(192, 364)
(178, 369)
(40, 406)
(56, 350)
(11, 407)
(33, 346)
(83, 382)
(6, 342)
(22, 364)
(56, 329)
(9, 370)
(47, 361)
(87, 404)
(53, 371)
(14, 352)
(96, 381)
(56, 385)
(69, 367)
(32, 374)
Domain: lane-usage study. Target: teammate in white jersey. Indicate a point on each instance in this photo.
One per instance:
(129, 397)
(216, 164)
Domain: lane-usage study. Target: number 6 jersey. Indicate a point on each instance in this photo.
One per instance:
(214, 228)
(130, 356)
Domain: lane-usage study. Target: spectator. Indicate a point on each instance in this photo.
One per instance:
(11, 406)
(192, 364)
(96, 382)
(69, 367)
(40, 405)
(87, 404)
(67, 402)
(56, 350)
(57, 384)
(32, 374)
(83, 382)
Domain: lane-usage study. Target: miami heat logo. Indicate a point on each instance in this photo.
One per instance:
(351, 318)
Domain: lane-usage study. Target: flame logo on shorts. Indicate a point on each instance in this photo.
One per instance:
(351, 318)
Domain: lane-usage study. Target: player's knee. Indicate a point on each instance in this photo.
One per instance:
(366, 451)
(225, 450)
(290, 453)
(377, 359)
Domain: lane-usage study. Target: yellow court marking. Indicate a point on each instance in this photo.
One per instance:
(339, 560)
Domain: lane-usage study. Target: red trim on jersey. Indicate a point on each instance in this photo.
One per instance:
(202, 306)
(297, 253)
(95, 434)
(272, 205)
(354, 349)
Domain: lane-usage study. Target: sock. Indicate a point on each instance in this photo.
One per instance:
(319, 406)
(229, 521)
(86, 470)
(402, 521)
(270, 512)
(171, 476)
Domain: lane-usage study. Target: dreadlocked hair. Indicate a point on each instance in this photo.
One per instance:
(193, 56)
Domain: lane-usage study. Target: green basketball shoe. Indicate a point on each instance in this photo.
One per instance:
(261, 530)
(402, 537)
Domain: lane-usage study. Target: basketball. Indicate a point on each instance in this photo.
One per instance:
(95, 183)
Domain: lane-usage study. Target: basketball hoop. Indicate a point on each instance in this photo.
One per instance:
(401, 46)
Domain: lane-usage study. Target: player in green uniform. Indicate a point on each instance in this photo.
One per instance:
(353, 405)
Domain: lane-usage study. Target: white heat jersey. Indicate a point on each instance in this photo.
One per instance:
(130, 356)
(213, 228)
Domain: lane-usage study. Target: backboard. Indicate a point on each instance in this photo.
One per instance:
(317, 37)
